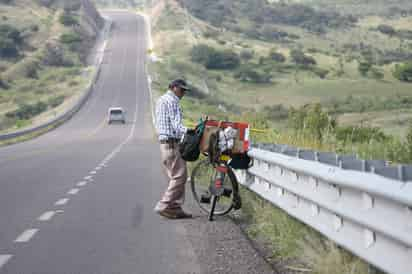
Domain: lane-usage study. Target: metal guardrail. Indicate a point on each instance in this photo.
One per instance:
(71, 111)
(368, 213)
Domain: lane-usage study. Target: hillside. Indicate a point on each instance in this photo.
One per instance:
(291, 53)
(43, 50)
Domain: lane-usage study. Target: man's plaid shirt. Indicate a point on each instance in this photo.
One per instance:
(169, 117)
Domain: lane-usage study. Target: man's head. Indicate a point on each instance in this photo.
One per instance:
(179, 87)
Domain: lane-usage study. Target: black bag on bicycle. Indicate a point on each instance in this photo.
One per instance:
(189, 146)
(240, 161)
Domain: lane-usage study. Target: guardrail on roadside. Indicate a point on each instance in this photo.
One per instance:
(71, 111)
(364, 206)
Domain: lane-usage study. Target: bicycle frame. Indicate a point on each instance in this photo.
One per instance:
(216, 188)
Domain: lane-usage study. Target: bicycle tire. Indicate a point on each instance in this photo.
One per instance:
(198, 178)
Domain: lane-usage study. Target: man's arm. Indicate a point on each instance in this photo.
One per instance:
(177, 120)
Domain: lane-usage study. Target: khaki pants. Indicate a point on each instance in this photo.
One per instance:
(176, 170)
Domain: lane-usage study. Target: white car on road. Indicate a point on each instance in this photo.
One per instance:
(116, 114)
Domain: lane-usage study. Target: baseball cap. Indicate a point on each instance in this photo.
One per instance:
(179, 83)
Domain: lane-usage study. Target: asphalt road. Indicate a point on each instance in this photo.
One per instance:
(80, 198)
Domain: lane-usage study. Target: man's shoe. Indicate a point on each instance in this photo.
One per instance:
(168, 213)
(183, 215)
(174, 213)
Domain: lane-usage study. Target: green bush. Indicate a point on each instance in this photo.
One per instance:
(409, 142)
(311, 120)
(386, 29)
(212, 58)
(8, 48)
(247, 54)
(68, 20)
(403, 72)
(211, 33)
(250, 73)
(3, 84)
(10, 40)
(226, 59)
(10, 32)
(200, 53)
(275, 112)
(300, 58)
(70, 38)
(27, 111)
(276, 56)
(322, 73)
(377, 73)
(56, 101)
(22, 123)
(360, 134)
(364, 67)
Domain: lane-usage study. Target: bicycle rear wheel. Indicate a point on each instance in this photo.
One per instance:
(202, 177)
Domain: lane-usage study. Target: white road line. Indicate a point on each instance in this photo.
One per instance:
(26, 236)
(82, 183)
(88, 177)
(98, 168)
(93, 172)
(4, 259)
(73, 191)
(46, 216)
(62, 202)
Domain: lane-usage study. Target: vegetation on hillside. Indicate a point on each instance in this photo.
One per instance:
(43, 49)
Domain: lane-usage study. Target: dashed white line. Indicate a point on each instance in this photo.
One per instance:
(88, 177)
(82, 183)
(62, 202)
(26, 236)
(4, 259)
(98, 168)
(46, 216)
(73, 191)
(93, 172)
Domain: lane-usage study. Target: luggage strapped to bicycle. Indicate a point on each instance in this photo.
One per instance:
(226, 141)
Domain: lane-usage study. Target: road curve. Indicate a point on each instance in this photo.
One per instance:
(80, 198)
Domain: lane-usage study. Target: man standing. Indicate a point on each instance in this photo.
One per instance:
(169, 125)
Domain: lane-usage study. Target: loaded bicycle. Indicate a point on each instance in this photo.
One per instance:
(213, 182)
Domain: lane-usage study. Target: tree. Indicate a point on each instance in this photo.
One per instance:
(403, 72)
